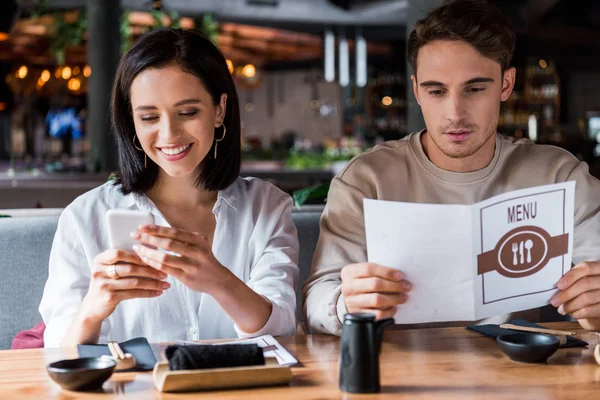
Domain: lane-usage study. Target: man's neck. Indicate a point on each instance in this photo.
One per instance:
(479, 160)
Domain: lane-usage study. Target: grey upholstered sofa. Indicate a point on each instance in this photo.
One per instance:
(25, 248)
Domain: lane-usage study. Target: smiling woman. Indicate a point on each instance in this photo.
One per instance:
(196, 99)
(221, 260)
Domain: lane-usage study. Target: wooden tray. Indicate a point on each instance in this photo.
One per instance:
(270, 374)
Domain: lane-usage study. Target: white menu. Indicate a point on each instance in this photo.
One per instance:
(467, 262)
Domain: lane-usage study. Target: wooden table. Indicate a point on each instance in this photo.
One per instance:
(428, 363)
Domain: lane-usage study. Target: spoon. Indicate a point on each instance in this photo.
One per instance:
(528, 246)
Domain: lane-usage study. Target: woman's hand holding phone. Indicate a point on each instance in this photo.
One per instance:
(130, 278)
(189, 257)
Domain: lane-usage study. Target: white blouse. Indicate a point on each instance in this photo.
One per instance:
(254, 237)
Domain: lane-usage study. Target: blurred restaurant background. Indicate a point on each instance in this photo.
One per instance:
(319, 81)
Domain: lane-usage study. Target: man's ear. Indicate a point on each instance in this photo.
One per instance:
(413, 78)
(221, 109)
(508, 83)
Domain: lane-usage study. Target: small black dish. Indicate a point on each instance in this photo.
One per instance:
(81, 374)
(528, 347)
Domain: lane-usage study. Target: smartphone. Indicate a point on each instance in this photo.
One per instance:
(121, 223)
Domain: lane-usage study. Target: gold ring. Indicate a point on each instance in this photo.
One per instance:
(111, 271)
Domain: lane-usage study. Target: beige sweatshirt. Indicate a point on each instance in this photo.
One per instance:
(400, 171)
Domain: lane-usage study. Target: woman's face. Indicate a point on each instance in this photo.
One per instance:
(175, 118)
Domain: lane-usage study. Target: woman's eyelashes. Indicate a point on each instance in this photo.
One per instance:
(182, 114)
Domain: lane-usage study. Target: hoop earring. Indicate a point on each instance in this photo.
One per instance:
(140, 149)
(218, 140)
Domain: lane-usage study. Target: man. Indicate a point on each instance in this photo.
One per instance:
(460, 57)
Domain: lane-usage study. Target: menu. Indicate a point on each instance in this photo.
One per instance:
(468, 262)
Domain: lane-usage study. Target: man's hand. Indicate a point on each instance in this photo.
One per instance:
(372, 288)
(579, 295)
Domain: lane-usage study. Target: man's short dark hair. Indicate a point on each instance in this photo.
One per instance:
(197, 55)
(476, 22)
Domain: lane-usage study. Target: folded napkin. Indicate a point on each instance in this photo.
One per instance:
(202, 356)
(138, 347)
(494, 331)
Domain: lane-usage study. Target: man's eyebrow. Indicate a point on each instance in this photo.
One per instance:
(431, 83)
(478, 80)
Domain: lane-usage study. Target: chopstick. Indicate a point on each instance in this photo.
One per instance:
(118, 350)
(113, 351)
(538, 330)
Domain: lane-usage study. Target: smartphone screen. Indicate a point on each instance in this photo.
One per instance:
(121, 223)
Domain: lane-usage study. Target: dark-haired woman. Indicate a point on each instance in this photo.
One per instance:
(231, 263)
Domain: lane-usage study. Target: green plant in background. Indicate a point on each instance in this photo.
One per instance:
(318, 192)
(67, 33)
(5, 216)
(309, 159)
(209, 26)
(71, 33)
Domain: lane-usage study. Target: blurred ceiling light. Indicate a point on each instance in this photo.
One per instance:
(22, 72)
(386, 101)
(87, 71)
(3, 36)
(66, 73)
(76, 71)
(361, 60)
(249, 71)
(58, 72)
(543, 63)
(74, 84)
(2, 106)
(329, 50)
(230, 66)
(40, 83)
(344, 65)
(45, 76)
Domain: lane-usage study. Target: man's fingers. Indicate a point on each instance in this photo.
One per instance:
(578, 272)
(380, 314)
(374, 285)
(370, 270)
(582, 301)
(580, 287)
(588, 312)
(374, 301)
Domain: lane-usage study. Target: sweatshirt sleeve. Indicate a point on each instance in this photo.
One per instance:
(586, 241)
(341, 242)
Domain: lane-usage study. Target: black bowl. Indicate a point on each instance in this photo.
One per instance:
(81, 374)
(528, 347)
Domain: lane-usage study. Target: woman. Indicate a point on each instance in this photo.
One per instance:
(231, 268)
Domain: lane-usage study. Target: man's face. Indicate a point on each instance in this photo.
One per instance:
(459, 92)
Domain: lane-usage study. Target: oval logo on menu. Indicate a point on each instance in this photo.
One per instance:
(523, 251)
